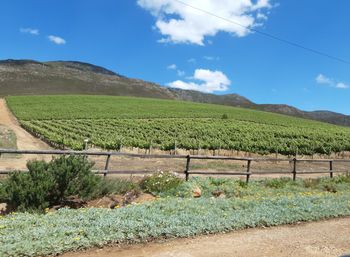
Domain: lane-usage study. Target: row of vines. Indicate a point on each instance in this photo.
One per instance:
(196, 133)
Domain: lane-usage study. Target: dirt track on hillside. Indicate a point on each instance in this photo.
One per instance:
(316, 239)
(25, 141)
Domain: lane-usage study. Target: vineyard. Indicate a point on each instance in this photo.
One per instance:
(114, 122)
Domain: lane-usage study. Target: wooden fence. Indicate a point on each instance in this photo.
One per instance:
(187, 158)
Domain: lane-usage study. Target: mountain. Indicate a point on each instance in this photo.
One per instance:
(29, 77)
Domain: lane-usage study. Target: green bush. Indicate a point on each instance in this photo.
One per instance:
(72, 176)
(160, 182)
(3, 194)
(49, 184)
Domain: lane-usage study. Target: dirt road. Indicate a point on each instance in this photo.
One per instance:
(316, 239)
(25, 141)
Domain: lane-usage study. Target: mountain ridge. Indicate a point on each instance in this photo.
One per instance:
(30, 77)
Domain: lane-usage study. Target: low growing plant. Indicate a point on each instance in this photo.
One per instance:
(160, 182)
(277, 182)
(26, 234)
(108, 186)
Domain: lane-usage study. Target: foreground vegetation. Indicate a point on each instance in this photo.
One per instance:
(113, 122)
(181, 209)
(66, 230)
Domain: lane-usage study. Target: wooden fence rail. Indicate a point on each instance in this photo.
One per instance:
(187, 172)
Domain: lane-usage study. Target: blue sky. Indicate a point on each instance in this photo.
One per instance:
(171, 44)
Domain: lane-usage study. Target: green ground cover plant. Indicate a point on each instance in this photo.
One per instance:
(234, 188)
(26, 234)
(164, 124)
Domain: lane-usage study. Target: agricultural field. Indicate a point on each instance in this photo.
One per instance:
(114, 122)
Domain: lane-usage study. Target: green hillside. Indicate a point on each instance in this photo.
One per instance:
(111, 121)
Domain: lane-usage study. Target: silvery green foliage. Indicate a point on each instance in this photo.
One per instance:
(36, 234)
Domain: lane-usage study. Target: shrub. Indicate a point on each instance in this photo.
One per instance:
(30, 191)
(160, 182)
(3, 194)
(48, 184)
(72, 176)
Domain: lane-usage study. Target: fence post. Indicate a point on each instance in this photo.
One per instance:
(187, 167)
(331, 169)
(107, 164)
(294, 169)
(248, 171)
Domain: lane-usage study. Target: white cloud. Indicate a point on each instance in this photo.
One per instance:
(182, 24)
(342, 85)
(31, 31)
(324, 80)
(57, 40)
(172, 67)
(207, 81)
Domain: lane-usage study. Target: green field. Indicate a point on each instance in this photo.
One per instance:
(111, 122)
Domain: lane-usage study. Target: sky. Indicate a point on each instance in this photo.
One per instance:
(207, 45)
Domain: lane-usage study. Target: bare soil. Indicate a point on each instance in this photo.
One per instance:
(316, 239)
(119, 200)
(25, 141)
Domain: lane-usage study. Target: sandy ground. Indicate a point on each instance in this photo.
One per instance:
(25, 141)
(316, 239)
